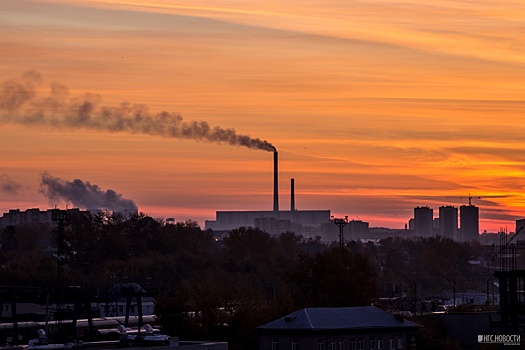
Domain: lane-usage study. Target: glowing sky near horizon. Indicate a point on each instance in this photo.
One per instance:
(376, 107)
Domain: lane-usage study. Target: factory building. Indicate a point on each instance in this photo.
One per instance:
(308, 223)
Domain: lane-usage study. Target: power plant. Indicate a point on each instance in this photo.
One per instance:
(309, 223)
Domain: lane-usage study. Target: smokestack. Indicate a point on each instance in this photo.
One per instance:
(275, 181)
(292, 194)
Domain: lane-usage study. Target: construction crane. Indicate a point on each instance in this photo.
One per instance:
(469, 198)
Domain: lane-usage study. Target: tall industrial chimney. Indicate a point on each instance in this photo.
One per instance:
(275, 181)
(292, 194)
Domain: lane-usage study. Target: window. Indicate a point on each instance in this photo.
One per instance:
(372, 343)
(399, 343)
(353, 345)
(380, 343)
(295, 344)
(392, 344)
(120, 309)
(332, 345)
(321, 344)
(360, 344)
(341, 344)
(275, 344)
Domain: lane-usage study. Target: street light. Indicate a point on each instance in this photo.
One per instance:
(453, 292)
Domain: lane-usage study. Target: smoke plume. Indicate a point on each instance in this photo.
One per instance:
(84, 195)
(7, 185)
(21, 104)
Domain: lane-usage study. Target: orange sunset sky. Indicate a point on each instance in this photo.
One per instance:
(375, 107)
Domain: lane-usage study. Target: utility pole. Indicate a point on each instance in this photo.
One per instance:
(61, 217)
(341, 223)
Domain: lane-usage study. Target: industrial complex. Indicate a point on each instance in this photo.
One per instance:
(308, 223)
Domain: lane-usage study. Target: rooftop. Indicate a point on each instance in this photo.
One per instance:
(339, 318)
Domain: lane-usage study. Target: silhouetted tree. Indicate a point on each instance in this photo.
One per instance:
(173, 312)
(333, 278)
(248, 250)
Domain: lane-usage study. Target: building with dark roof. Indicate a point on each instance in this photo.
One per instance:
(353, 328)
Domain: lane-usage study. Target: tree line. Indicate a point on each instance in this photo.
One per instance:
(222, 288)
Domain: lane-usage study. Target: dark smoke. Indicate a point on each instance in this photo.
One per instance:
(7, 185)
(15, 94)
(20, 104)
(84, 195)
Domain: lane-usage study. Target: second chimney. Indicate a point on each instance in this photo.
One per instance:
(275, 181)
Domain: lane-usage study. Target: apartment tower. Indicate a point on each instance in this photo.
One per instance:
(448, 222)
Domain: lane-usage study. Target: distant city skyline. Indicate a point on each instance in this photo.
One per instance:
(447, 225)
(375, 107)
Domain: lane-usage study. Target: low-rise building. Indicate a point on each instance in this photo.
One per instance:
(355, 328)
(34, 216)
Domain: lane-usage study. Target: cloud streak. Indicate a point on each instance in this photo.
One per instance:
(446, 27)
(20, 104)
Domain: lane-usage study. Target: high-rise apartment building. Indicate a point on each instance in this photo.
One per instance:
(358, 229)
(469, 223)
(448, 222)
(423, 220)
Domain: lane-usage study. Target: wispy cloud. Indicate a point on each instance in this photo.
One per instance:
(486, 31)
(9, 186)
